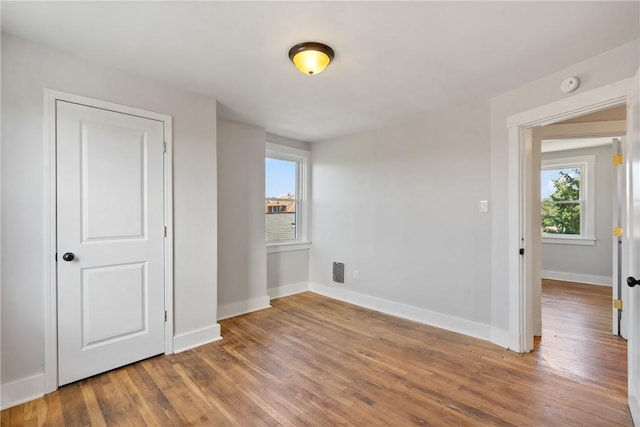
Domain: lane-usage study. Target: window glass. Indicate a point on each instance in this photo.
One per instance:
(562, 204)
(281, 179)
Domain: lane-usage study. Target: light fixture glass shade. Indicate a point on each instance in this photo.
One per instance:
(311, 57)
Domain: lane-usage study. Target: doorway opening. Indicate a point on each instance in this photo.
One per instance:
(575, 210)
(575, 205)
(521, 230)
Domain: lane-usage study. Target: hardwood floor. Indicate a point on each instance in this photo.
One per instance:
(313, 361)
(576, 334)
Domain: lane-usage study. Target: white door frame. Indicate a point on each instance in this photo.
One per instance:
(50, 298)
(519, 227)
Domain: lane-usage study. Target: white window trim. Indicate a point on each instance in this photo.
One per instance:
(302, 157)
(287, 247)
(586, 164)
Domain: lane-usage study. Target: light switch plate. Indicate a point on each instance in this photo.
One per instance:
(483, 206)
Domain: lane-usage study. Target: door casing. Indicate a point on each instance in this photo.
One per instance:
(50, 300)
(519, 197)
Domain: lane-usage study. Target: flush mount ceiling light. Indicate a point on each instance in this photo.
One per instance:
(311, 57)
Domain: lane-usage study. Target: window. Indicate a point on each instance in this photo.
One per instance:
(567, 200)
(286, 181)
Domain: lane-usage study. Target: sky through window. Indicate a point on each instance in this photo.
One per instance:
(280, 177)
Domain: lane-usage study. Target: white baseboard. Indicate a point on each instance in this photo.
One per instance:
(21, 391)
(405, 311)
(286, 290)
(243, 307)
(196, 338)
(537, 327)
(634, 407)
(576, 277)
(503, 339)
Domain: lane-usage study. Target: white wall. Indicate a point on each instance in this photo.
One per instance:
(400, 205)
(26, 70)
(611, 66)
(577, 260)
(288, 270)
(300, 145)
(242, 256)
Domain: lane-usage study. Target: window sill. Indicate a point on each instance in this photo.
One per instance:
(289, 246)
(583, 241)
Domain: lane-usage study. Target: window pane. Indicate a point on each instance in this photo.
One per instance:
(280, 184)
(560, 196)
(280, 178)
(560, 184)
(280, 219)
(560, 218)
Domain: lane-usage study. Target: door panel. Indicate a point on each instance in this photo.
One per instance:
(110, 217)
(113, 207)
(631, 244)
(120, 288)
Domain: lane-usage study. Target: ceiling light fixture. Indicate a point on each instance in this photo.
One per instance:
(311, 57)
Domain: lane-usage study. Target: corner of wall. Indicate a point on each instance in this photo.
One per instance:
(243, 307)
(196, 338)
(286, 290)
(503, 338)
(242, 256)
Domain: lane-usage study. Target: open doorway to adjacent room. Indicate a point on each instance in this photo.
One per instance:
(575, 256)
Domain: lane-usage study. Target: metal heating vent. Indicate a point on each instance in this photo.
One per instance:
(338, 272)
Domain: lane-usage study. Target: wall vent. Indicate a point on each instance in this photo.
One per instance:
(338, 272)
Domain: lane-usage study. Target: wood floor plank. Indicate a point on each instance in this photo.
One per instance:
(313, 361)
(52, 410)
(95, 413)
(135, 389)
(153, 394)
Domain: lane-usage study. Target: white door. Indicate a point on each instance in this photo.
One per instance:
(110, 239)
(620, 289)
(631, 244)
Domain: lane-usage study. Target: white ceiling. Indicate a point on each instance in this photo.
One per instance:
(393, 59)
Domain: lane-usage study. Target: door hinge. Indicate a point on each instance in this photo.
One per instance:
(617, 304)
(164, 146)
(617, 231)
(521, 251)
(165, 315)
(165, 231)
(618, 159)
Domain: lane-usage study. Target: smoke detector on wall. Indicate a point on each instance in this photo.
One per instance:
(569, 84)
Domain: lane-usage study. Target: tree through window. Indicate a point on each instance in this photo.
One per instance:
(567, 197)
(561, 209)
